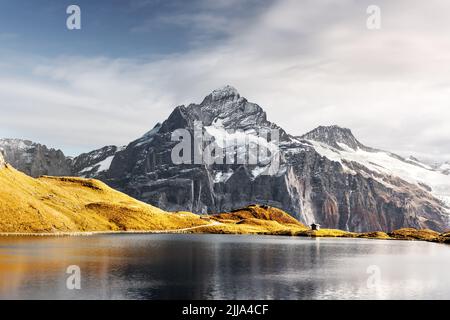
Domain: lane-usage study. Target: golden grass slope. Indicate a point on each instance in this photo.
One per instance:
(254, 219)
(71, 205)
(51, 204)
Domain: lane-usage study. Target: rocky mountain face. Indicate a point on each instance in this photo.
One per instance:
(325, 176)
(145, 170)
(94, 163)
(376, 189)
(34, 159)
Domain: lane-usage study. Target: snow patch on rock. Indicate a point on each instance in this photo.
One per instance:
(388, 164)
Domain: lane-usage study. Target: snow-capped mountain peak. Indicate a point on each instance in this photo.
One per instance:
(383, 166)
(225, 106)
(221, 102)
(225, 92)
(334, 136)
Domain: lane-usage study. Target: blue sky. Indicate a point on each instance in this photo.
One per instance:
(306, 62)
(117, 28)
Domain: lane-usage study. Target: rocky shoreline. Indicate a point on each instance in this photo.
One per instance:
(408, 234)
(400, 234)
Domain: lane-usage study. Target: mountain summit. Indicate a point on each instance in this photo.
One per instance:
(334, 136)
(224, 93)
(226, 107)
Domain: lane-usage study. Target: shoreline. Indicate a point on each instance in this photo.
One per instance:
(407, 234)
(92, 233)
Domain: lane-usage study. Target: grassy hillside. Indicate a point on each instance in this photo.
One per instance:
(67, 204)
(51, 204)
(253, 219)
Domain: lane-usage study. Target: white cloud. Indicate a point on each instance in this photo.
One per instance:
(308, 63)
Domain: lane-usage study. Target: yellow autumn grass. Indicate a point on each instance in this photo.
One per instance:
(331, 233)
(415, 234)
(254, 219)
(51, 204)
(58, 205)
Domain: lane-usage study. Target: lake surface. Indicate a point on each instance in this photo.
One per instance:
(222, 267)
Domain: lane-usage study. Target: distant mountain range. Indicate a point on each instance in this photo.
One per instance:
(325, 176)
(35, 159)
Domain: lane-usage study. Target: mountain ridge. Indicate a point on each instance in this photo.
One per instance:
(325, 176)
(334, 135)
(34, 158)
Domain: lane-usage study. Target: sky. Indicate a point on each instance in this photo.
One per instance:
(306, 62)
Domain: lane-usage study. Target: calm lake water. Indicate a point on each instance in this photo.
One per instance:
(223, 267)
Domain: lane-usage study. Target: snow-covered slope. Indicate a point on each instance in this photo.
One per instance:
(263, 159)
(94, 163)
(444, 168)
(381, 165)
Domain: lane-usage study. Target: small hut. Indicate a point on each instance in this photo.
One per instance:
(315, 226)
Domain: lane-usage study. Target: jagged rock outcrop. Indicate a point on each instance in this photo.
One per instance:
(35, 159)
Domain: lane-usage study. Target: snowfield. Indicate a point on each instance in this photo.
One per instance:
(387, 163)
(100, 166)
